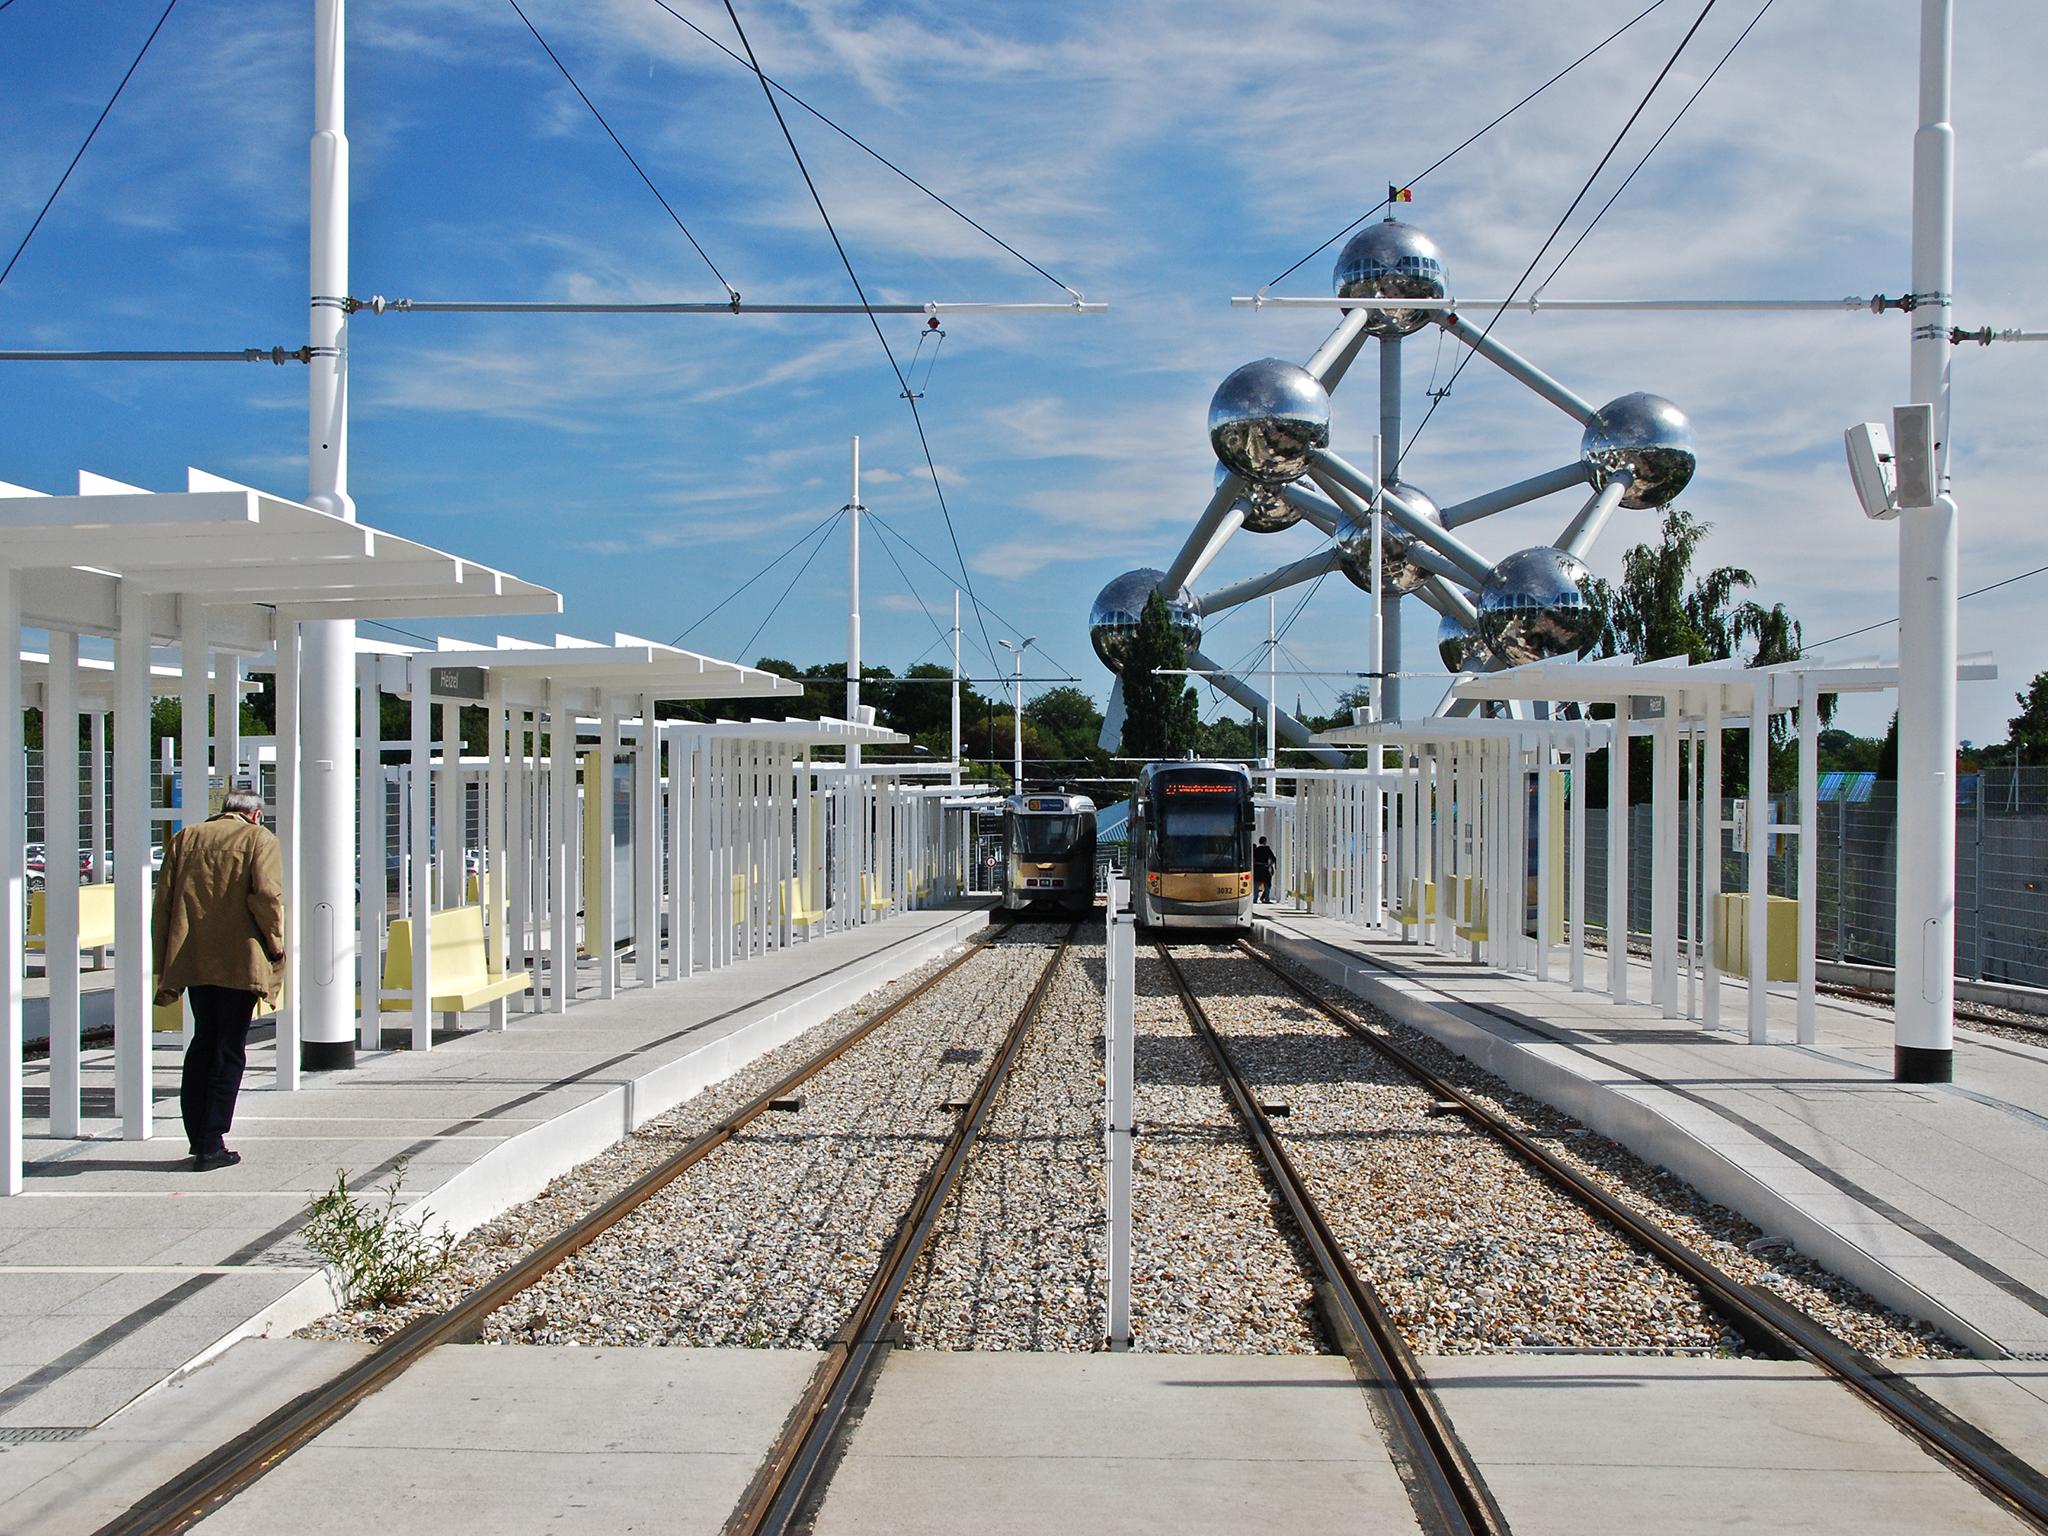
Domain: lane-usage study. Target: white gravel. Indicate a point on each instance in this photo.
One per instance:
(1725, 1238)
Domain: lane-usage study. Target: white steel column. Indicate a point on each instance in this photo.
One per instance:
(853, 511)
(1808, 889)
(192, 736)
(451, 829)
(227, 720)
(561, 839)
(1710, 866)
(1759, 857)
(421, 875)
(497, 855)
(1575, 853)
(290, 829)
(519, 849)
(1617, 855)
(647, 840)
(370, 804)
(598, 805)
(14, 880)
(1664, 880)
(327, 663)
(60, 874)
(1924, 1049)
(133, 987)
(956, 690)
(1546, 909)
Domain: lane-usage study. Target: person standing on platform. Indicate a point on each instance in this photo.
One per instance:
(1264, 861)
(219, 933)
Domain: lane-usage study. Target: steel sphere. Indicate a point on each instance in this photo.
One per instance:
(1266, 419)
(1354, 544)
(1538, 604)
(1264, 510)
(1113, 621)
(1648, 435)
(1460, 649)
(1391, 261)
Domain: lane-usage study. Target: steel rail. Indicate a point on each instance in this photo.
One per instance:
(191, 1495)
(1442, 1479)
(792, 1478)
(1766, 1320)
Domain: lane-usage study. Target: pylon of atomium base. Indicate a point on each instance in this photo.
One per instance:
(1270, 427)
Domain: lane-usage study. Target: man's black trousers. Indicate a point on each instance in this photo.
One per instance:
(213, 1066)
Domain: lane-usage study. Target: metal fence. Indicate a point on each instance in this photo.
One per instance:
(2001, 873)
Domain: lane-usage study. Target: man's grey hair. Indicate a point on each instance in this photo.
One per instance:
(240, 802)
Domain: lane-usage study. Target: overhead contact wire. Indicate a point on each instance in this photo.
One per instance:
(105, 112)
(1551, 239)
(799, 576)
(872, 153)
(1678, 117)
(621, 143)
(888, 351)
(1442, 160)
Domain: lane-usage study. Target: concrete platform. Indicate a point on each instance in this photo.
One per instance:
(120, 1267)
(1060, 1444)
(1934, 1198)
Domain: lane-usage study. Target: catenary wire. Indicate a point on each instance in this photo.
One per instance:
(1645, 160)
(1467, 143)
(82, 148)
(1008, 623)
(799, 576)
(923, 606)
(1887, 623)
(621, 143)
(801, 540)
(1551, 239)
(866, 149)
(888, 351)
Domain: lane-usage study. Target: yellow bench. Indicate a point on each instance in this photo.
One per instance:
(875, 900)
(739, 899)
(95, 917)
(1421, 904)
(1474, 926)
(458, 964)
(1781, 941)
(793, 907)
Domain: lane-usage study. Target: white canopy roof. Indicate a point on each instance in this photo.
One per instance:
(577, 675)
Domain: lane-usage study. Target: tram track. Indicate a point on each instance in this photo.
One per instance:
(790, 1483)
(215, 1479)
(1771, 1325)
(1443, 1481)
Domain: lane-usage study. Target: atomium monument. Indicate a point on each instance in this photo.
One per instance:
(1273, 427)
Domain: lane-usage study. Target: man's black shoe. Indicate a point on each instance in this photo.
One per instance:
(207, 1162)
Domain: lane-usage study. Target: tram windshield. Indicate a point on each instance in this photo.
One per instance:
(1044, 837)
(1201, 828)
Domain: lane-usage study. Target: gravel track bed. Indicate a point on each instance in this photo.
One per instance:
(1723, 1237)
(1470, 1252)
(770, 1240)
(1016, 1258)
(490, 1249)
(1215, 1267)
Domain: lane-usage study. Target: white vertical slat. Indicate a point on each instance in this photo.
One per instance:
(13, 879)
(133, 990)
(60, 877)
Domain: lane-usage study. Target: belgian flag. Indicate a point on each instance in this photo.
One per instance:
(1400, 194)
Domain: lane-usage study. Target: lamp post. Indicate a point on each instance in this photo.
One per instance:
(1017, 732)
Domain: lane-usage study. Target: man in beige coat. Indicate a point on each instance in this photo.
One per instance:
(219, 936)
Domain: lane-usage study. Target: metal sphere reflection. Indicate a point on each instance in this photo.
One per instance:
(1648, 435)
(1113, 621)
(1460, 649)
(1264, 510)
(1265, 420)
(1354, 544)
(1537, 604)
(1391, 261)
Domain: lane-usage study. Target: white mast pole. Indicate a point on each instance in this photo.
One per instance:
(1272, 709)
(327, 648)
(1924, 1048)
(853, 510)
(956, 687)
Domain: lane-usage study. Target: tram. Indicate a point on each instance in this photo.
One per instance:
(1191, 846)
(1048, 852)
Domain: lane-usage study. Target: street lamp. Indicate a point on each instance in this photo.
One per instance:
(1017, 732)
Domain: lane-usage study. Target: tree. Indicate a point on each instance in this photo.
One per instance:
(1160, 716)
(2027, 731)
(1065, 724)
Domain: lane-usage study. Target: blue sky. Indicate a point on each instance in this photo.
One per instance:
(1159, 156)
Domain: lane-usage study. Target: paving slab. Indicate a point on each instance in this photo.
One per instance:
(1615, 1446)
(1932, 1197)
(1001, 1443)
(120, 1266)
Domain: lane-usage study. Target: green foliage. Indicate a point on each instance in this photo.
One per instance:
(2027, 738)
(1160, 716)
(379, 1254)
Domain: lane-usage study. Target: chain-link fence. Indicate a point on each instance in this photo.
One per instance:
(2001, 871)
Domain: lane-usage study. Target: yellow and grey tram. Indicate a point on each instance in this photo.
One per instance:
(1191, 846)
(1048, 852)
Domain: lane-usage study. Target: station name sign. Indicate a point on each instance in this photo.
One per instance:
(459, 683)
